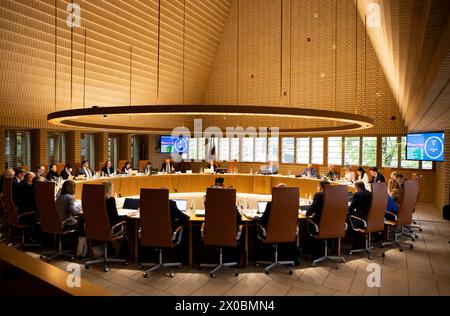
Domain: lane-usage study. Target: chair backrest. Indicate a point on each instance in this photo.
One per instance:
(375, 217)
(337, 169)
(9, 202)
(334, 212)
(100, 165)
(156, 227)
(232, 166)
(76, 165)
(94, 212)
(316, 166)
(283, 215)
(142, 163)
(45, 203)
(220, 217)
(408, 204)
(121, 164)
(60, 167)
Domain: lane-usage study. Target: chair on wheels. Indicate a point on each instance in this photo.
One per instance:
(50, 221)
(282, 223)
(97, 223)
(375, 218)
(404, 215)
(14, 218)
(220, 228)
(332, 221)
(156, 226)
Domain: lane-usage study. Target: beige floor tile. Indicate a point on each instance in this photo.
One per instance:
(189, 285)
(393, 283)
(441, 264)
(248, 285)
(219, 285)
(273, 288)
(444, 288)
(360, 286)
(422, 287)
(296, 291)
(315, 275)
(418, 261)
(118, 290)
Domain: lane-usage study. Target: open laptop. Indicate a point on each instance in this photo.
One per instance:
(262, 207)
(181, 204)
(131, 204)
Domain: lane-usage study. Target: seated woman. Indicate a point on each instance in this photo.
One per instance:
(362, 176)
(394, 200)
(67, 208)
(52, 174)
(127, 168)
(120, 245)
(349, 174)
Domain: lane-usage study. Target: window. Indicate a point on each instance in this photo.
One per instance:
(193, 149)
(288, 150)
(224, 153)
(17, 149)
(201, 149)
(136, 154)
(303, 150)
(272, 152)
(389, 154)
(412, 164)
(427, 165)
(335, 150)
(352, 149)
(317, 150)
(113, 151)
(234, 149)
(369, 151)
(56, 148)
(247, 149)
(261, 149)
(87, 149)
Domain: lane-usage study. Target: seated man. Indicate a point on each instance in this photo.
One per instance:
(269, 169)
(315, 209)
(26, 201)
(309, 171)
(177, 217)
(332, 173)
(361, 201)
(85, 170)
(376, 177)
(167, 166)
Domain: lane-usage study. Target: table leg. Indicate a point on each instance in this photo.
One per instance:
(190, 246)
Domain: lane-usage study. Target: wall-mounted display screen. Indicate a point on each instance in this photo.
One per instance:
(171, 144)
(425, 146)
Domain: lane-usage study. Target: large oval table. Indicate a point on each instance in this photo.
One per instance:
(193, 184)
(182, 183)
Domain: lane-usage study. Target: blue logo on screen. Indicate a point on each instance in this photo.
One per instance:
(434, 148)
(180, 145)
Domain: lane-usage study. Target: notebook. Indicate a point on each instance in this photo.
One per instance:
(181, 204)
(262, 206)
(200, 213)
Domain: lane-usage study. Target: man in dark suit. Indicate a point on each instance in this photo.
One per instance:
(309, 171)
(376, 177)
(167, 166)
(177, 217)
(19, 175)
(361, 201)
(85, 170)
(25, 194)
(315, 209)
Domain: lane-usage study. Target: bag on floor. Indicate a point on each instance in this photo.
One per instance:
(82, 247)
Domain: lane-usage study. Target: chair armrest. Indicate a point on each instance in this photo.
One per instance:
(26, 214)
(393, 214)
(260, 231)
(177, 232)
(239, 233)
(356, 218)
(311, 223)
(121, 232)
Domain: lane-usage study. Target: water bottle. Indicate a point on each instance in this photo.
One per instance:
(251, 170)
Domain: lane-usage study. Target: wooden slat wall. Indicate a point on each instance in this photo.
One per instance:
(443, 176)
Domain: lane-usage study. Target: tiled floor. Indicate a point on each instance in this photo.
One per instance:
(425, 270)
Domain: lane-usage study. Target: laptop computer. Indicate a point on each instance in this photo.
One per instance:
(262, 206)
(181, 204)
(131, 204)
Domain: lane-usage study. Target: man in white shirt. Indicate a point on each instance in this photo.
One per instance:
(167, 166)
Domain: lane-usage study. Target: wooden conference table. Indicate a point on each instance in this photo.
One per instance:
(252, 188)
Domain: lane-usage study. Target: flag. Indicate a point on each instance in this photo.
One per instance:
(212, 149)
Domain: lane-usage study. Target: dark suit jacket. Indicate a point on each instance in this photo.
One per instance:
(177, 217)
(106, 169)
(332, 174)
(316, 207)
(52, 175)
(264, 220)
(163, 167)
(80, 171)
(111, 209)
(65, 174)
(313, 172)
(25, 198)
(379, 178)
(360, 204)
(15, 184)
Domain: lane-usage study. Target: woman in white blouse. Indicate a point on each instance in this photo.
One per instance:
(362, 176)
(349, 174)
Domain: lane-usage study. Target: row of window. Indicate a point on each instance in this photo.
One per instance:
(301, 150)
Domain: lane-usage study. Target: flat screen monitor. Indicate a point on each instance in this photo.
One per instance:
(182, 205)
(262, 206)
(425, 146)
(176, 144)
